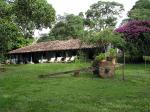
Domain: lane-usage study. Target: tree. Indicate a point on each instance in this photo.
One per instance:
(59, 31)
(137, 35)
(70, 26)
(103, 15)
(75, 26)
(140, 11)
(5, 10)
(106, 37)
(33, 14)
(11, 37)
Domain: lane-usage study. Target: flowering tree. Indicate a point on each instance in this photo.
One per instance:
(137, 36)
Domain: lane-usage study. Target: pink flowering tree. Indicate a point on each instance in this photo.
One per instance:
(137, 35)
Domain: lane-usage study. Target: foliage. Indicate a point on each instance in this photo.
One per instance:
(112, 53)
(106, 37)
(2, 58)
(137, 35)
(69, 26)
(59, 31)
(33, 14)
(100, 57)
(140, 11)
(5, 10)
(146, 58)
(75, 26)
(11, 37)
(18, 20)
(103, 15)
(82, 57)
(72, 27)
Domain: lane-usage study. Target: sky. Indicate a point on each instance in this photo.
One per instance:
(76, 6)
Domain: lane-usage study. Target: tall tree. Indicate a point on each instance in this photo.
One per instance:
(106, 37)
(140, 11)
(33, 14)
(103, 15)
(5, 10)
(75, 26)
(69, 26)
(59, 31)
(11, 37)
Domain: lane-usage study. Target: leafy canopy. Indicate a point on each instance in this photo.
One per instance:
(18, 20)
(106, 37)
(10, 38)
(5, 10)
(103, 15)
(140, 11)
(69, 26)
(33, 14)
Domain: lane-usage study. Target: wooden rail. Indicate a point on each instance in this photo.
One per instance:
(76, 72)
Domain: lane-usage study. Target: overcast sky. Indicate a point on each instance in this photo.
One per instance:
(76, 6)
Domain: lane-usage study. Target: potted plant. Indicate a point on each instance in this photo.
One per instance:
(112, 53)
(101, 57)
(98, 62)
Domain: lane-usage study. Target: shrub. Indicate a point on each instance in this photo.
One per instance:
(2, 58)
(101, 56)
(146, 58)
(112, 53)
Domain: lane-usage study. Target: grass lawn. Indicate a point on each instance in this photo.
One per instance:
(22, 91)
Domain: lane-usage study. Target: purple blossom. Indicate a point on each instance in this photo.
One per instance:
(134, 28)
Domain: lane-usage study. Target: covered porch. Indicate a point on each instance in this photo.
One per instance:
(50, 56)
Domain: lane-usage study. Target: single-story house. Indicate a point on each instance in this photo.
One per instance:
(51, 49)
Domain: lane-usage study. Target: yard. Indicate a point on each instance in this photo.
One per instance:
(22, 91)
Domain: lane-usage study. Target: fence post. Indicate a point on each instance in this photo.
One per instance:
(123, 67)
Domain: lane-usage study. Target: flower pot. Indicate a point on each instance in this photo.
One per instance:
(102, 61)
(114, 61)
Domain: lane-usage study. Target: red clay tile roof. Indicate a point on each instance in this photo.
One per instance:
(52, 46)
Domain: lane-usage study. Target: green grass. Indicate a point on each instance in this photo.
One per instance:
(22, 91)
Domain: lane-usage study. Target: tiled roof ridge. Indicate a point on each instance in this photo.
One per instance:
(51, 46)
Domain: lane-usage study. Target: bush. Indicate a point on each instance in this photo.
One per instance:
(112, 53)
(130, 59)
(2, 58)
(101, 56)
(82, 57)
(146, 58)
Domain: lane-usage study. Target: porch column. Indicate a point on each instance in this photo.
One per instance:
(31, 62)
(16, 59)
(21, 59)
(41, 61)
(66, 53)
